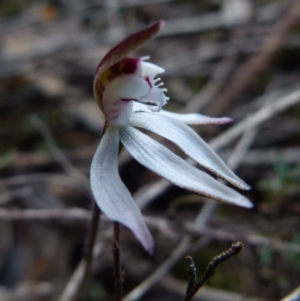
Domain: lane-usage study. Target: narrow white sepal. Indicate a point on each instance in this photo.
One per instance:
(196, 119)
(193, 119)
(162, 161)
(188, 140)
(110, 193)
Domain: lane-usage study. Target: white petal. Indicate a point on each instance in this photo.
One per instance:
(116, 102)
(196, 118)
(188, 140)
(157, 97)
(111, 195)
(150, 70)
(128, 86)
(159, 159)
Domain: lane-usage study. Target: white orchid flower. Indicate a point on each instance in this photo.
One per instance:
(131, 98)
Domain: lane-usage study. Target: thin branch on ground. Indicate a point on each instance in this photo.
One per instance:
(47, 215)
(195, 284)
(35, 178)
(249, 238)
(267, 156)
(117, 263)
(81, 215)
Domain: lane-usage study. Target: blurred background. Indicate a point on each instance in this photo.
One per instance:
(237, 58)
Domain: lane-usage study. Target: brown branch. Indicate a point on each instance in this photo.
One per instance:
(47, 215)
(193, 275)
(251, 238)
(193, 284)
(117, 263)
(92, 234)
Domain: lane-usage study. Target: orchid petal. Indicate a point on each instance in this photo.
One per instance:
(193, 119)
(156, 98)
(188, 140)
(128, 45)
(116, 104)
(150, 70)
(126, 87)
(110, 193)
(196, 118)
(162, 161)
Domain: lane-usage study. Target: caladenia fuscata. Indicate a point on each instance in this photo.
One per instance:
(131, 97)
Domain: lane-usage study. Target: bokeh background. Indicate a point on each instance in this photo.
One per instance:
(237, 58)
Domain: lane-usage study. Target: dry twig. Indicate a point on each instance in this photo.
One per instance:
(117, 263)
(195, 284)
